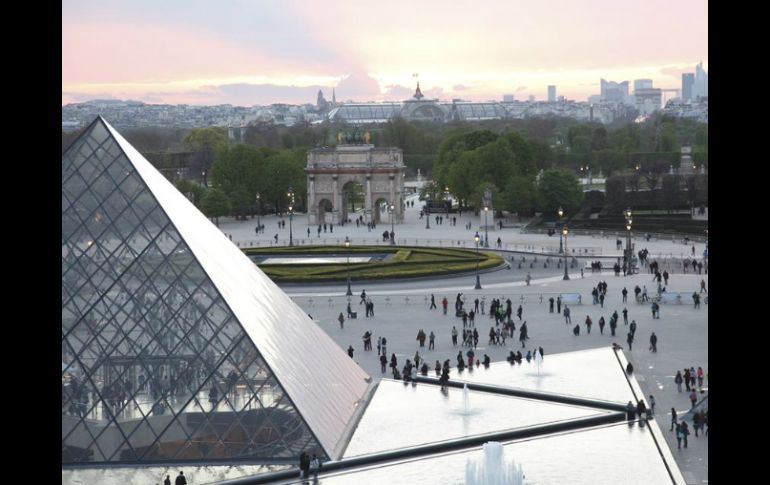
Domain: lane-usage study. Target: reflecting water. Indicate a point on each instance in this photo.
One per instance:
(609, 455)
(593, 373)
(410, 415)
(151, 475)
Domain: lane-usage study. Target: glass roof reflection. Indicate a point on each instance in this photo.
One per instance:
(612, 455)
(408, 415)
(594, 374)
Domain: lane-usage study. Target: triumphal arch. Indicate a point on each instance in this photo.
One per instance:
(355, 172)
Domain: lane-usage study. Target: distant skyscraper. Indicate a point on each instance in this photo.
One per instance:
(701, 83)
(688, 80)
(642, 84)
(507, 98)
(614, 91)
(552, 94)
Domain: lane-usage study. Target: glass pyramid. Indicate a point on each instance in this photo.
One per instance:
(175, 347)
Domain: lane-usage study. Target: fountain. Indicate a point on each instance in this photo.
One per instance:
(492, 469)
(466, 399)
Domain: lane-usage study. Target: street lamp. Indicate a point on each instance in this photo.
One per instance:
(203, 178)
(629, 253)
(259, 211)
(290, 195)
(486, 227)
(564, 232)
(561, 213)
(392, 211)
(478, 280)
(347, 246)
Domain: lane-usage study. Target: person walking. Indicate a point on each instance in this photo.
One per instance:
(432, 302)
(528, 278)
(588, 323)
(685, 432)
(703, 286)
(613, 325)
(678, 380)
(625, 294)
(679, 436)
(601, 299)
(383, 362)
(454, 336)
(519, 311)
(687, 379)
(652, 404)
(431, 341)
(693, 398)
(550, 305)
(601, 325)
(167, 481)
(350, 351)
(700, 377)
(558, 304)
(630, 340)
(384, 346)
(625, 316)
(180, 479)
(567, 318)
(673, 419)
(653, 342)
(444, 304)
(341, 319)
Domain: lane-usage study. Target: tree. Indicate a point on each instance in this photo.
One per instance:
(559, 188)
(616, 193)
(206, 142)
(522, 153)
(215, 204)
(520, 195)
(192, 190)
(670, 191)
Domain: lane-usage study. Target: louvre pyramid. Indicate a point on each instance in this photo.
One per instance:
(175, 346)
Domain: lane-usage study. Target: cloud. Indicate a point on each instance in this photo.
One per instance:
(433, 93)
(358, 85)
(397, 91)
(460, 87)
(521, 88)
(676, 71)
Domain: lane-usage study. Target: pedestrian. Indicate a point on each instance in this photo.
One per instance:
(703, 286)
(679, 436)
(678, 380)
(180, 479)
(167, 481)
(630, 412)
(588, 323)
(341, 319)
(315, 466)
(601, 299)
(625, 316)
(687, 379)
(558, 304)
(652, 404)
(625, 295)
(383, 362)
(550, 305)
(444, 304)
(528, 278)
(673, 419)
(601, 325)
(384, 346)
(653, 342)
(693, 398)
(350, 351)
(432, 302)
(630, 340)
(632, 327)
(685, 432)
(613, 325)
(567, 318)
(519, 311)
(432, 338)
(700, 376)
(454, 336)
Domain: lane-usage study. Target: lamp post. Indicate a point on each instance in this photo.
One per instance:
(392, 211)
(564, 232)
(259, 211)
(629, 253)
(478, 280)
(347, 246)
(290, 195)
(561, 213)
(203, 178)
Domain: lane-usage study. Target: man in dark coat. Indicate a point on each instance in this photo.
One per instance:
(180, 480)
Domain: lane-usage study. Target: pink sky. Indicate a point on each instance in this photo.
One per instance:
(257, 52)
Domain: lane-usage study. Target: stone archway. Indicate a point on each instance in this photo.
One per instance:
(353, 199)
(380, 211)
(325, 211)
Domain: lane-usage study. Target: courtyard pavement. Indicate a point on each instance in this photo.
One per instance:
(401, 310)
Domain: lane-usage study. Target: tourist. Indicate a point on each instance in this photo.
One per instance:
(180, 479)
(576, 330)
(625, 294)
(703, 286)
(601, 325)
(363, 297)
(652, 404)
(444, 304)
(632, 327)
(700, 377)
(558, 304)
(625, 316)
(588, 324)
(454, 335)
(341, 319)
(693, 398)
(550, 305)
(350, 351)
(653, 342)
(383, 362)
(630, 340)
(167, 481)
(567, 318)
(431, 339)
(678, 380)
(315, 466)
(673, 419)
(384, 346)
(432, 302)
(629, 368)
(687, 379)
(679, 435)
(685, 432)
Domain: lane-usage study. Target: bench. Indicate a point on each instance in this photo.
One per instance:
(571, 298)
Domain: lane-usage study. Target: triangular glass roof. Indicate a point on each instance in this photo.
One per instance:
(175, 346)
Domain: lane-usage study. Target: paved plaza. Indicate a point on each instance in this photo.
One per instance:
(402, 308)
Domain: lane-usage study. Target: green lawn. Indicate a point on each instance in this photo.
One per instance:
(405, 262)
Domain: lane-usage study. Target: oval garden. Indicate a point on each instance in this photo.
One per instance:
(316, 264)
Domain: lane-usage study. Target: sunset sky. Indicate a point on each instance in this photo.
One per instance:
(247, 52)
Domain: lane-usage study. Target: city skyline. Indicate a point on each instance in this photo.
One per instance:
(250, 53)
